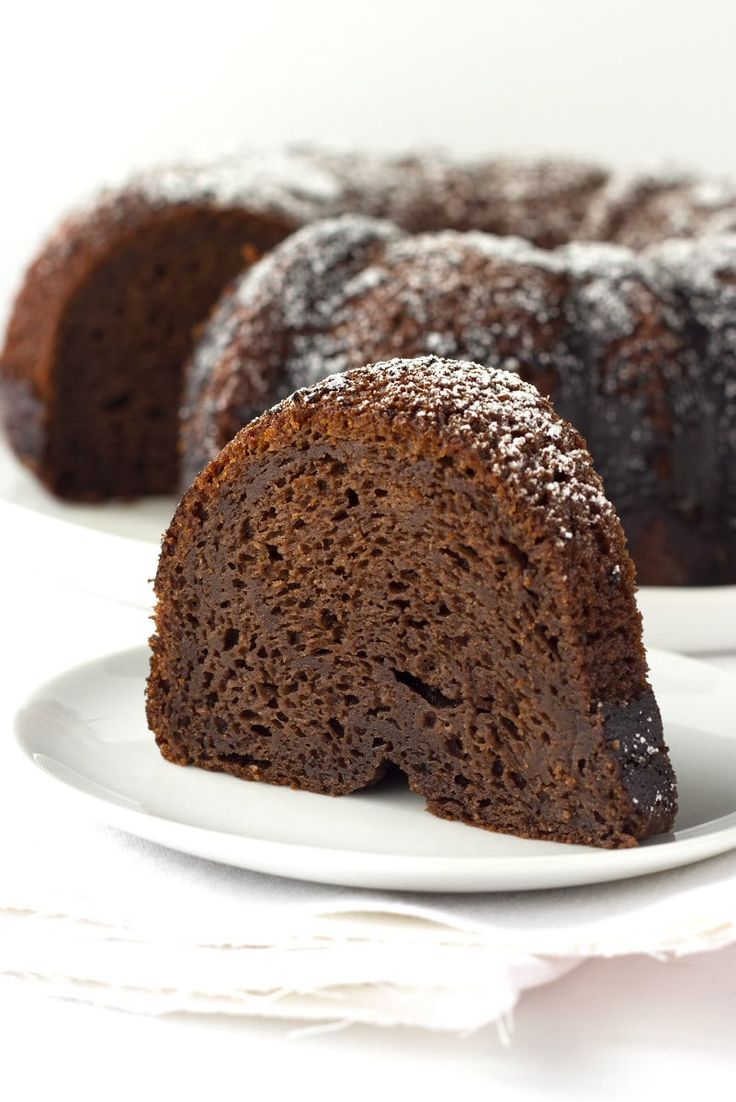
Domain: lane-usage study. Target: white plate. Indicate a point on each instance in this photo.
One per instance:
(86, 730)
(691, 619)
(110, 549)
(146, 519)
(89, 555)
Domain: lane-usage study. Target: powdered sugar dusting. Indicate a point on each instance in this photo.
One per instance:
(640, 208)
(318, 262)
(345, 291)
(490, 413)
(698, 264)
(428, 190)
(291, 183)
(590, 323)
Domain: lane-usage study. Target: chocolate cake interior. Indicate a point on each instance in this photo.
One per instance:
(123, 343)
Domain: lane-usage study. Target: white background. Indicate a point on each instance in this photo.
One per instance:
(90, 91)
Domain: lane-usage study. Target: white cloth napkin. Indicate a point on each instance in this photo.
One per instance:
(91, 913)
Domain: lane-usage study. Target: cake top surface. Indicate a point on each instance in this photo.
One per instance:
(547, 200)
(293, 183)
(346, 290)
(305, 183)
(700, 264)
(336, 284)
(309, 269)
(308, 274)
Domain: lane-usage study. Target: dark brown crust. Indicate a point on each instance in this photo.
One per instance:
(348, 548)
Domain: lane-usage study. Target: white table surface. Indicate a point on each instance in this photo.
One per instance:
(609, 1030)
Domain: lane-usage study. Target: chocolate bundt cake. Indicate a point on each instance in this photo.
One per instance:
(90, 377)
(413, 564)
(634, 350)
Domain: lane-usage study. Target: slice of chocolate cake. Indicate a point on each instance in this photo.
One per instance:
(414, 564)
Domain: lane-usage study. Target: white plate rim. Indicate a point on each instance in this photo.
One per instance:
(365, 869)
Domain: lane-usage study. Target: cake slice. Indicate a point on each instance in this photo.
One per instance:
(414, 564)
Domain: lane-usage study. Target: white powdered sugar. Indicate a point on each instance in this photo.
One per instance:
(588, 322)
(492, 414)
(288, 182)
(350, 290)
(343, 291)
(698, 265)
(638, 208)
